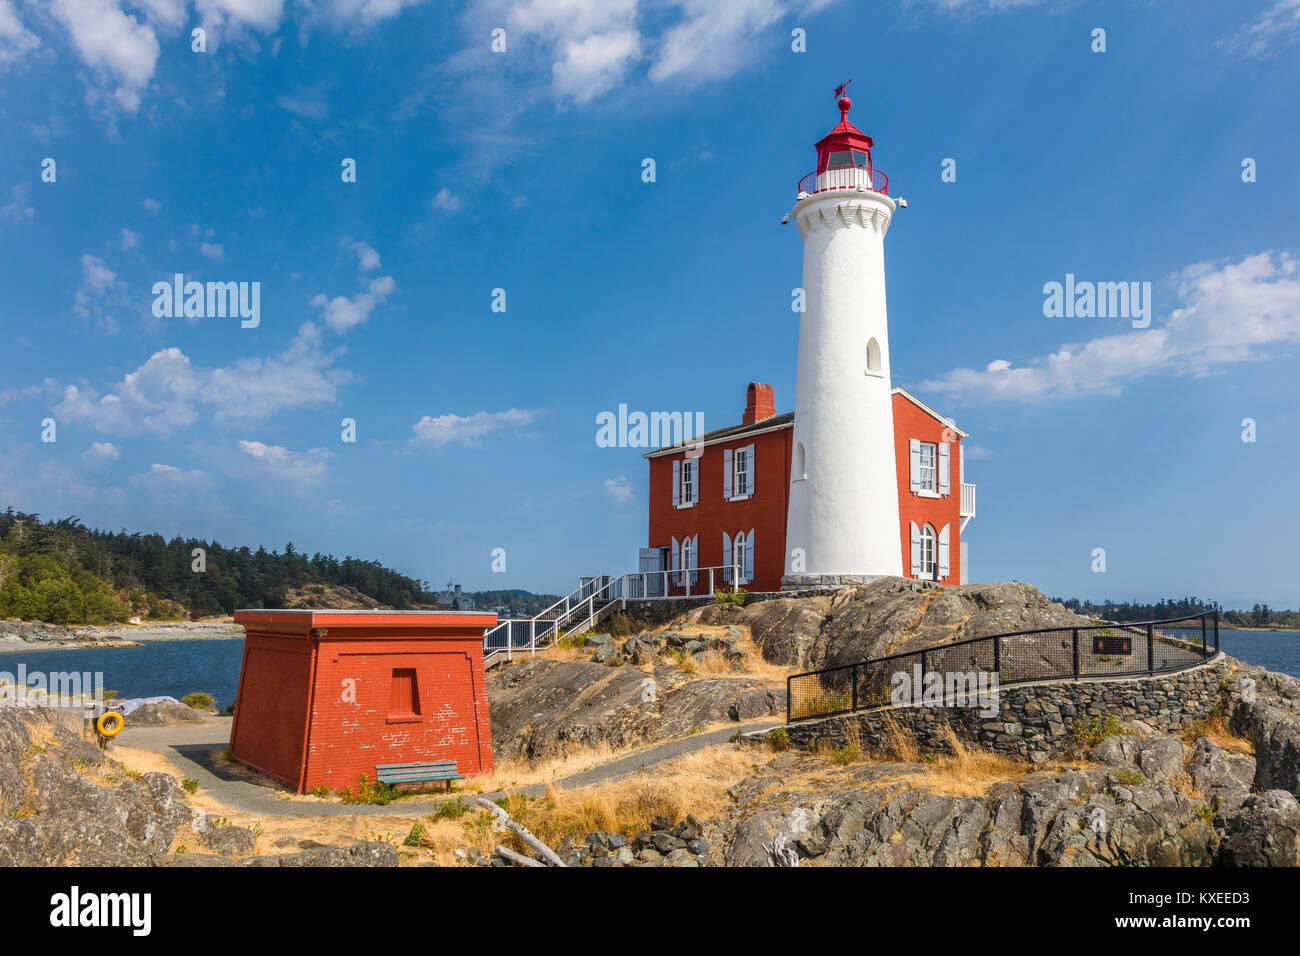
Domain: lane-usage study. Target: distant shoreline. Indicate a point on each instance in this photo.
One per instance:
(17, 636)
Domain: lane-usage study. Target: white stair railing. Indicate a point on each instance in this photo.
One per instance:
(577, 611)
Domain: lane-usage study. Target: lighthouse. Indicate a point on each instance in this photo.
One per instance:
(842, 524)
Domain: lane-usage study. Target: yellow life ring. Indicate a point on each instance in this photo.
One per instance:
(112, 717)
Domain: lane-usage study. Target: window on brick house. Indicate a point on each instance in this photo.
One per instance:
(742, 472)
(404, 695)
(927, 469)
(688, 481)
(927, 551)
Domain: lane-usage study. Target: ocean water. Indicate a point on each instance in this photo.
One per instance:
(158, 668)
(176, 668)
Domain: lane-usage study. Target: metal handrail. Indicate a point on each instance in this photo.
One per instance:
(844, 177)
(615, 585)
(1209, 625)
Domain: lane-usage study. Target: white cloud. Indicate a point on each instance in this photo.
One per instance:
(233, 17)
(1228, 314)
(467, 430)
(18, 208)
(100, 295)
(213, 250)
(152, 205)
(1276, 27)
(367, 257)
(100, 453)
(715, 39)
(169, 480)
(120, 50)
(253, 389)
(446, 202)
(595, 64)
(157, 398)
(169, 14)
(279, 462)
(129, 239)
(16, 41)
(341, 312)
(166, 394)
(364, 13)
(620, 489)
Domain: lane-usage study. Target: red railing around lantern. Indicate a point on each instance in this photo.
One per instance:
(844, 177)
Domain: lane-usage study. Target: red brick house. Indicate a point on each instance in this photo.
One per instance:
(721, 501)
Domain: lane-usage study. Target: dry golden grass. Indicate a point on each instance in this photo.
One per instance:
(696, 783)
(1217, 729)
(900, 743)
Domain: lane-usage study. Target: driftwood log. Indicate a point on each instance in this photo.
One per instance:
(506, 853)
(552, 858)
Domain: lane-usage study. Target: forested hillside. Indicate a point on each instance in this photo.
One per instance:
(1261, 615)
(64, 572)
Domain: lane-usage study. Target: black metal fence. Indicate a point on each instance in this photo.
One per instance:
(1097, 650)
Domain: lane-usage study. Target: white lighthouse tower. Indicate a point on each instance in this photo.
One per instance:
(843, 525)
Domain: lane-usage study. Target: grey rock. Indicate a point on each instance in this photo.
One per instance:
(230, 841)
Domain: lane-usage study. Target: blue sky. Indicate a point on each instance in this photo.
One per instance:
(522, 170)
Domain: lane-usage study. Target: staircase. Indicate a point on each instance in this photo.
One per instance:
(594, 600)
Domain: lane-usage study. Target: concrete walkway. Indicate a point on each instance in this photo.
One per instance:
(191, 750)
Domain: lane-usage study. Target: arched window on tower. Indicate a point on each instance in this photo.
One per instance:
(873, 358)
(799, 471)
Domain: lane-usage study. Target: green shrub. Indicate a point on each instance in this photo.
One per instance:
(416, 836)
(1098, 729)
(380, 794)
(779, 738)
(450, 810)
(737, 597)
(199, 700)
(190, 785)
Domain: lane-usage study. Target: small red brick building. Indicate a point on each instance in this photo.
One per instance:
(727, 504)
(324, 696)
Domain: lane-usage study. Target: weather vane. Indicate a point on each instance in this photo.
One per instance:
(842, 89)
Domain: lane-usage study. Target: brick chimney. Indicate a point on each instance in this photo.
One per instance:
(760, 403)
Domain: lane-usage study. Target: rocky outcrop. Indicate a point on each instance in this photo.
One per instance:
(543, 707)
(1135, 811)
(38, 634)
(63, 802)
(885, 617)
(168, 713)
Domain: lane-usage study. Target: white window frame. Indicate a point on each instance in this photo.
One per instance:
(928, 489)
(739, 546)
(930, 541)
(738, 455)
(686, 496)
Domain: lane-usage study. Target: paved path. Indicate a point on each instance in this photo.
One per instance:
(191, 750)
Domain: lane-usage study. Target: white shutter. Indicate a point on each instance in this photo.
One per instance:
(695, 558)
(916, 550)
(749, 555)
(676, 559)
(695, 483)
(943, 468)
(726, 473)
(943, 552)
(726, 556)
(914, 466)
(752, 464)
(677, 482)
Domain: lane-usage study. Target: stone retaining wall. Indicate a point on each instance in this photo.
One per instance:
(1035, 720)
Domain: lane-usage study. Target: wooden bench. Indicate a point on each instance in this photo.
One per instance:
(395, 773)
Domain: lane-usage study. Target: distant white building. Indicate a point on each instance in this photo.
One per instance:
(455, 599)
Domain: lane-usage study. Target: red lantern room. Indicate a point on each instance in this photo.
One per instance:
(844, 157)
